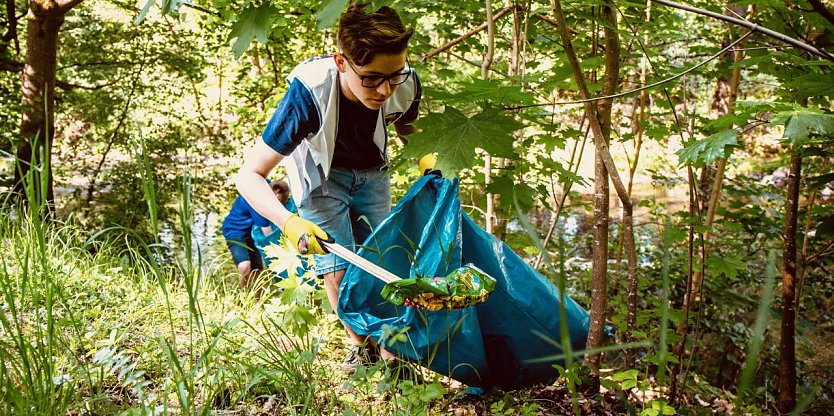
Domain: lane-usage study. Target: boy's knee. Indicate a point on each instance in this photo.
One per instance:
(244, 267)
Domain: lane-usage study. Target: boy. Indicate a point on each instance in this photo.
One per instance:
(237, 230)
(329, 133)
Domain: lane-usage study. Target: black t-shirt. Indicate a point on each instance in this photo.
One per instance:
(355, 147)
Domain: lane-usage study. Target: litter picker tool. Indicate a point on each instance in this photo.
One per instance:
(464, 287)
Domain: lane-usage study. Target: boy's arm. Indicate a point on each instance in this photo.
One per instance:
(258, 162)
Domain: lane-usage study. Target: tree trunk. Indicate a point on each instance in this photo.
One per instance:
(44, 20)
(599, 117)
(787, 347)
(490, 201)
(628, 215)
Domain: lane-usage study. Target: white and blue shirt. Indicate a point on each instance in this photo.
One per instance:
(305, 126)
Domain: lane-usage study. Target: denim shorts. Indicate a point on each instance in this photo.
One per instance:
(348, 205)
(243, 248)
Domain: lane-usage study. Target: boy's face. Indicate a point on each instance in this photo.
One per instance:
(389, 67)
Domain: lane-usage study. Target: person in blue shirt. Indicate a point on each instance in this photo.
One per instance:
(330, 134)
(237, 230)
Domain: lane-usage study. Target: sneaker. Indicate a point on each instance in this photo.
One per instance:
(359, 355)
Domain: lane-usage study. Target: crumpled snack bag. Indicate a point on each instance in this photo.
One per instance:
(464, 287)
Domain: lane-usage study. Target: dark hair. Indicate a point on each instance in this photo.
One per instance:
(279, 186)
(363, 35)
(282, 188)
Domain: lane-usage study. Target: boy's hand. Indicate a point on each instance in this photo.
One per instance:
(303, 235)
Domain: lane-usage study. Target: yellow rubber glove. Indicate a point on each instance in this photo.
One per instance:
(426, 163)
(305, 235)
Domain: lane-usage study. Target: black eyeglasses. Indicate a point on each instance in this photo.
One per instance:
(373, 81)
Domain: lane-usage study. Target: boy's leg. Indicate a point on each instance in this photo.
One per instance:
(240, 254)
(332, 281)
(371, 203)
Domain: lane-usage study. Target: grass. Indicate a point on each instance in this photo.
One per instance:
(92, 326)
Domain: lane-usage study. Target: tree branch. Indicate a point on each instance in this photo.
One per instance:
(64, 85)
(753, 27)
(65, 6)
(596, 127)
(201, 9)
(8, 65)
(467, 35)
(647, 87)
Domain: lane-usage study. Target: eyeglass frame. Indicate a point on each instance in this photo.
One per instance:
(383, 78)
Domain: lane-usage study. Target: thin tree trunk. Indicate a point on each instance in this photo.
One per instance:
(490, 202)
(683, 327)
(11, 17)
(628, 226)
(599, 117)
(513, 70)
(787, 347)
(802, 264)
(718, 179)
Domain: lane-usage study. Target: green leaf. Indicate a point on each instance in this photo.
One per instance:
(479, 90)
(625, 375)
(330, 14)
(703, 152)
(819, 182)
(504, 186)
(253, 22)
(454, 137)
(728, 266)
(801, 122)
(813, 85)
(142, 13)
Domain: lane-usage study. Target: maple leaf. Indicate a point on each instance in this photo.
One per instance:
(802, 121)
(505, 187)
(328, 16)
(703, 152)
(454, 137)
(253, 22)
(728, 266)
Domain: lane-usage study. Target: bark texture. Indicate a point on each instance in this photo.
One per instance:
(599, 117)
(44, 20)
(787, 347)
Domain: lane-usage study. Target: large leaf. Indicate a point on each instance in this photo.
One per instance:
(328, 16)
(728, 266)
(813, 85)
(802, 121)
(703, 152)
(454, 137)
(253, 22)
(505, 187)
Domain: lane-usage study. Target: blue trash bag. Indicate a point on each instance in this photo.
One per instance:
(510, 341)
